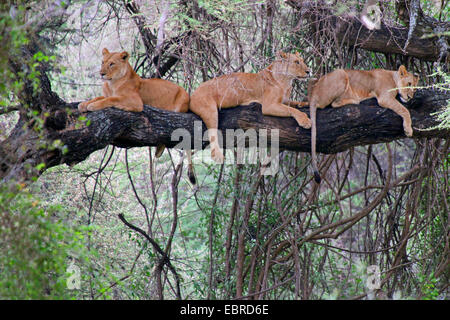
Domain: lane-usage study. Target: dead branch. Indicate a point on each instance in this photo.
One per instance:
(388, 39)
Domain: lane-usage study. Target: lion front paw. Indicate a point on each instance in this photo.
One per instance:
(306, 123)
(92, 106)
(82, 106)
(217, 155)
(302, 120)
(408, 131)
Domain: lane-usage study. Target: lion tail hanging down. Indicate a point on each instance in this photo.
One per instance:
(312, 115)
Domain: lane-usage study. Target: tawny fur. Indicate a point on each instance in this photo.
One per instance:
(342, 87)
(124, 89)
(271, 87)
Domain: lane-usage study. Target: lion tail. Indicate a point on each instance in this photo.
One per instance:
(313, 109)
(312, 114)
(191, 174)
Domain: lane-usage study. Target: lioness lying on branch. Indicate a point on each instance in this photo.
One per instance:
(271, 87)
(124, 89)
(342, 87)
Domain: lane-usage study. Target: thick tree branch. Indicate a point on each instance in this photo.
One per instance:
(387, 39)
(410, 12)
(30, 148)
(164, 260)
(338, 130)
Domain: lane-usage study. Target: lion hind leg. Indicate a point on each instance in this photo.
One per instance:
(327, 90)
(344, 101)
(344, 92)
(302, 103)
(299, 104)
(206, 109)
(181, 103)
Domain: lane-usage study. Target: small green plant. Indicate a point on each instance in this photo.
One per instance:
(428, 287)
(34, 249)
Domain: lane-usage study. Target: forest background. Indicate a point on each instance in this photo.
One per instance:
(120, 224)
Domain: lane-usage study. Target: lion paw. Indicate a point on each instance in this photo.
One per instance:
(217, 155)
(302, 120)
(408, 131)
(91, 107)
(82, 107)
(306, 123)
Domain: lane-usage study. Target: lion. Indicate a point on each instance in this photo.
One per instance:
(342, 87)
(124, 89)
(271, 87)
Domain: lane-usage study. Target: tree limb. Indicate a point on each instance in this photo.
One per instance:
(387, 39)
(8, 109)
(338, 130)
(164, 260)
(30, 149)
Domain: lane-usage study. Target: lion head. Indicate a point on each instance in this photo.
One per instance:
(291, 65)
(406, 83)
(114, 65)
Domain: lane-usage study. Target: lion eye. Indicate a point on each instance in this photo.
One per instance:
(297, 62)
(111, 64)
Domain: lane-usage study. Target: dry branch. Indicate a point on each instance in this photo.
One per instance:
(388, 39)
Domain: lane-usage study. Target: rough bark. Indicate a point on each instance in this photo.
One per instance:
(387, 39)
(338, 130)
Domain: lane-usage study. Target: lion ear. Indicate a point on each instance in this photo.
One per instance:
(124, 55)
(105, 51)
(402, 71)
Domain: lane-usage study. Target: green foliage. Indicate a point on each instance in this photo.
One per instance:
(12, 36)
(428, 287)
(34, 249)
(444, 114)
